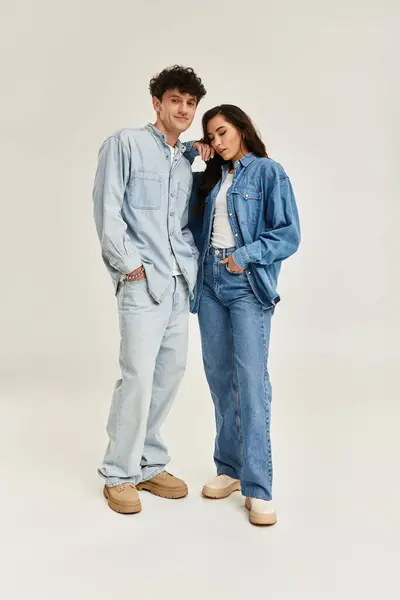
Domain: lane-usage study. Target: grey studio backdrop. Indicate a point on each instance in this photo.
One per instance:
(319, 81)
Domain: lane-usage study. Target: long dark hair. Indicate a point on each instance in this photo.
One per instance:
(251, 140)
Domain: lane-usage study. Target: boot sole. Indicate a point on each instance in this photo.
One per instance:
(259, 518)
(215, 494)
(123, 509)
(171, 494)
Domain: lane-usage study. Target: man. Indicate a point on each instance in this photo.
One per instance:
(141, 193)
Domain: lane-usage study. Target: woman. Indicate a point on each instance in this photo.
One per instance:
(245, 223)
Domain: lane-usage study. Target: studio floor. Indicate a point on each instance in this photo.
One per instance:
(336, 449)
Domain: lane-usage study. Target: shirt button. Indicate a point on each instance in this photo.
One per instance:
(172, 195)
(171, 214)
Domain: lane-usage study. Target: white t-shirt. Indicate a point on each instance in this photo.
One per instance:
(175, 267)
(222, 236)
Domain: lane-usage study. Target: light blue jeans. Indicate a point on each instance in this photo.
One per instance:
(235, 333)
(152, 359)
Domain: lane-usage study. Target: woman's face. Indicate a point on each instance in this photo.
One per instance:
(225, 139)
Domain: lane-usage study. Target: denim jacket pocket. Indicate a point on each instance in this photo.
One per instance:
(144, 190)
(249, 193)
(249, 204)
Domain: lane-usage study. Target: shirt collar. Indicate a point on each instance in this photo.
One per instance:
(247, 159)
(150, 127)
(241, 163)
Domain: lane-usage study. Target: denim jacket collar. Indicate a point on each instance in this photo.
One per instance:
(161, 136)
(239, 164)
(247, 159)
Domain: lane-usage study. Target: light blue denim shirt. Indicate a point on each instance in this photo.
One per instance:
(264, 220)
(141, 207)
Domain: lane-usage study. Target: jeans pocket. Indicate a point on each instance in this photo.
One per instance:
(236, 273)
(136, 295)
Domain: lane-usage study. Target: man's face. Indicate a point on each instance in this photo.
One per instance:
(175, 110)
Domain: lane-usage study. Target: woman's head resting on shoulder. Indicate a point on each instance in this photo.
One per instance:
(231, 133)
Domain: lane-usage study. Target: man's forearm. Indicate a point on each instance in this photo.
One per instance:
(108, 194)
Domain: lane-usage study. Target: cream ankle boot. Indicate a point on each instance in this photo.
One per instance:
(261, 511)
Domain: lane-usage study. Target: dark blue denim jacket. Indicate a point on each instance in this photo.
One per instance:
(264, 220)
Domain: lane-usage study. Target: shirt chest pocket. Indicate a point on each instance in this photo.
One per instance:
(145, 190)
(249, 204)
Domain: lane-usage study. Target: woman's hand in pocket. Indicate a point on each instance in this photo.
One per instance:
(231, 265)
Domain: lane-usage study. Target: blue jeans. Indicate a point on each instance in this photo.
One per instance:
(235, 333)
(153, 353)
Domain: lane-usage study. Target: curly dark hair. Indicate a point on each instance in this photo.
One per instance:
(179, 78)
